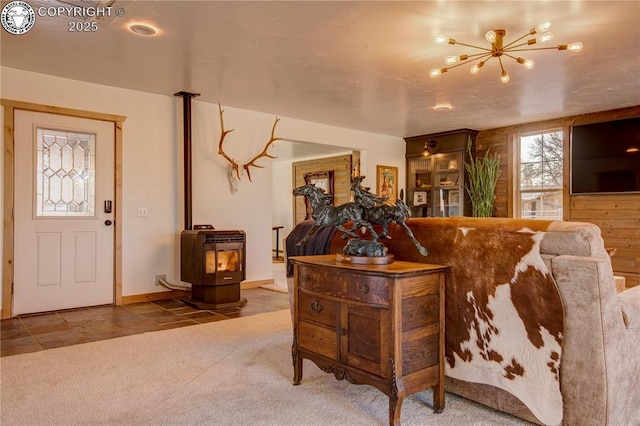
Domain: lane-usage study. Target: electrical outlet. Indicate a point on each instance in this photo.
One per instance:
(160, 277)
(143, 212)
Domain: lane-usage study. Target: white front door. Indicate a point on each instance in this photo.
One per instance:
(63, 230)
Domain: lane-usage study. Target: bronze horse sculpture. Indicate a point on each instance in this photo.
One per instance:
(386, 214)
(324, 214)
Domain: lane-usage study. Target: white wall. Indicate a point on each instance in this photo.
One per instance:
(282, 205)
(152, 168)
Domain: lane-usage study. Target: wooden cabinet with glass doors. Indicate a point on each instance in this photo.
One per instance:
(436, 175)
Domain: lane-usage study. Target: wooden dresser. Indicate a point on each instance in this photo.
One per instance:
(381, 325)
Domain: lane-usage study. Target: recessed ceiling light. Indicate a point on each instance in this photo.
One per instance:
(443, 107)
(142, 28)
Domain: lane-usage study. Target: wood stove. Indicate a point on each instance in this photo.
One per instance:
(214, 263)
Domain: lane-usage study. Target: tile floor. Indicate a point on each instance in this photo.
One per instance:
(37, 332)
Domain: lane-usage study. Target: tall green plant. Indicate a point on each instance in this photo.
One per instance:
(483, 177)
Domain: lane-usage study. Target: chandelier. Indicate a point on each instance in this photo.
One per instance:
(498, 50)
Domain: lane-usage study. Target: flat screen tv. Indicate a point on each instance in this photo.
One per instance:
(605, 157)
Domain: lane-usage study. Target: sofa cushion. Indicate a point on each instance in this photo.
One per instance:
(630, 304)
(573, 238)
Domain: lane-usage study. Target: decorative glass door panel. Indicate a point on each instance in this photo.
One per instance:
(447, 172)
(64, 173)
(448, 202)
(448, 184)
(420, 169)
(419, 185)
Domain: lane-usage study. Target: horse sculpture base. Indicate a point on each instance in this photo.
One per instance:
(365, 260)
(365, 252)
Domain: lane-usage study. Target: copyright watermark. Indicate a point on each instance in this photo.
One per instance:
(80, 11)
(18, 17)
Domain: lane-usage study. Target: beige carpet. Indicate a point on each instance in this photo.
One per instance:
(234, 372)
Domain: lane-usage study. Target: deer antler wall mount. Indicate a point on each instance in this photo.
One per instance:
(234, 167)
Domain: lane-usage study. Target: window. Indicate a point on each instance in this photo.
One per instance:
(540, 177)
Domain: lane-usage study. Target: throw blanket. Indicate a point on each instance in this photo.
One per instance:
(318, 243)
(504, 314)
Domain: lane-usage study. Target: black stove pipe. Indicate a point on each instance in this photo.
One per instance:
(188, 192)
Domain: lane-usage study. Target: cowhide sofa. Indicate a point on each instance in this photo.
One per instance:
(534, 326)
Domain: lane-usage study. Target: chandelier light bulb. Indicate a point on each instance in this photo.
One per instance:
(474, 69)
(490, 36)
(527, 63)
(437, 71)
(504, 77)
(542, 27)
(440, 39)
(544, 38)
(450, 60)
(574, 47)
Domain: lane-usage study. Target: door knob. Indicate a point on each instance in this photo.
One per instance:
(108, 222)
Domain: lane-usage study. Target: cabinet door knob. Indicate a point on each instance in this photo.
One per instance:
(316, 306)
(364, 288)
(342, 331)
(304, 278)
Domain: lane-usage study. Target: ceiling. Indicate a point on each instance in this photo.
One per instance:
(360, 65)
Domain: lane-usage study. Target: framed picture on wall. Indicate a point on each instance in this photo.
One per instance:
(420, 198)
(454, 197)
(322, 180)
(387, 182)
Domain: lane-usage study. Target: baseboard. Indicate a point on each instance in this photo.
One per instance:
(153, 297)
(177, 294)
(254, 284)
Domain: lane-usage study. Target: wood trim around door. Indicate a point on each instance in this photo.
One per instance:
(10, 106)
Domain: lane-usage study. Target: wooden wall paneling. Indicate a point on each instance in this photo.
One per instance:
(499, 143)
(566, 173)
(618, 217)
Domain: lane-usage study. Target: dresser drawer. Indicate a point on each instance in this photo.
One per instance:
(318, 339)
(317, 309)
(367, 289)
(359, 287)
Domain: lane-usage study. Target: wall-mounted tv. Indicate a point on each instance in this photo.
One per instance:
(605, 157)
